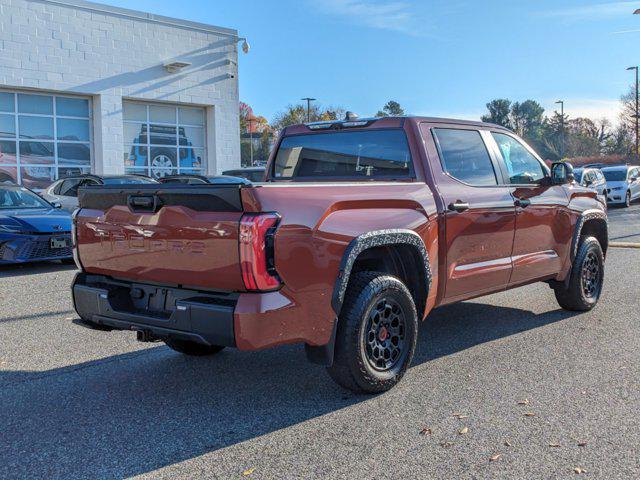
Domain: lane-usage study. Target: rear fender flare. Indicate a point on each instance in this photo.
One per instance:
(378, 238)
(323, 354)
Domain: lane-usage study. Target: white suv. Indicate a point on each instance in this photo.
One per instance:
(623, 184)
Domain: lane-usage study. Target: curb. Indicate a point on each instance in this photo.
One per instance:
(624, 245)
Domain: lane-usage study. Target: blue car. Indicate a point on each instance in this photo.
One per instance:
(32, 229)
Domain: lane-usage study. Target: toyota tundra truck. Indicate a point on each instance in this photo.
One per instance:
(359, 229)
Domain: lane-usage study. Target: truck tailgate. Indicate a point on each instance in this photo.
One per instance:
(183, 235)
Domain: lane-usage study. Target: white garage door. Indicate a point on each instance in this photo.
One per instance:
(163, 140)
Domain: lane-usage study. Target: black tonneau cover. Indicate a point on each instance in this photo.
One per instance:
(151, 197)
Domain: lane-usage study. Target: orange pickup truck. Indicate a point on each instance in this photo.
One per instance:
(360, 228)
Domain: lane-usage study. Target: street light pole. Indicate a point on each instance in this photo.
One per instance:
(309, 100)
(637, 117)
(561, 102)
(250, 120)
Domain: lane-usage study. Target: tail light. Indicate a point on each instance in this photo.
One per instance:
(257, 263)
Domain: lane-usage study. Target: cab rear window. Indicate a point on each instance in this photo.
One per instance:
(368, 154)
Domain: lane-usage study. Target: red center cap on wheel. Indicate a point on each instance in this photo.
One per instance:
(383, 333)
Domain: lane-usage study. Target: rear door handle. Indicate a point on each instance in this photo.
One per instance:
(522, 202)
(459, 206)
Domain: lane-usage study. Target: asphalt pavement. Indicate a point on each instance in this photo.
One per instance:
(624, 223)
(507, 386)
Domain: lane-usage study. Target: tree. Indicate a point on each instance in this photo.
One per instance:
(295, 114)
(392, 108)
(620, 141)
(627, 115)
(553, 136)
(527, 118)
(499, 112)
(583, 138)
(245, 113)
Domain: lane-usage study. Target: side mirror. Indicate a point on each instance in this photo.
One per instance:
(588, 183)
(561, 173)
(56, 205)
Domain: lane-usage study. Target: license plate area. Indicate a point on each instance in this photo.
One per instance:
(58, 243)
(156, 301)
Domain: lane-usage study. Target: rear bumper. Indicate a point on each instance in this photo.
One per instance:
(247, 321)
(163, 312)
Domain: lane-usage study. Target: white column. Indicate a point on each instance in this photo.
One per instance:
(108, 137)
(212, 157)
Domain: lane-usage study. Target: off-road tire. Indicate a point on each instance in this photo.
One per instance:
(192, 348)
(575, 297)
(352, 367)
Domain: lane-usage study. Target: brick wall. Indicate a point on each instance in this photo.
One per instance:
(111, 53)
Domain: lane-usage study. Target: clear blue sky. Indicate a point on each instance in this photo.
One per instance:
(436, 57)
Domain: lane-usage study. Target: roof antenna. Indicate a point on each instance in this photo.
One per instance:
(350, 116)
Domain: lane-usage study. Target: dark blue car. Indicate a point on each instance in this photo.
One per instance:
(32, 229)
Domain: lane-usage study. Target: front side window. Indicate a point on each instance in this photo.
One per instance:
(465, 157)
(522, 166)
(353, 155)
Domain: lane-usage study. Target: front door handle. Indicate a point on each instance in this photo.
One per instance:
(522, 202)
(459, 206)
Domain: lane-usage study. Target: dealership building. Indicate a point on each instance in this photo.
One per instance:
(90, 88)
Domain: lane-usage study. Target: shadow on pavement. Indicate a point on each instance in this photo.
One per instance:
(39, 316)
(134, 413)
(21, 269)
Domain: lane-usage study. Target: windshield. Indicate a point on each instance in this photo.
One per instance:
(11, 198)
(127, 180)
(615, 175)
(345, 155)
(577, 173)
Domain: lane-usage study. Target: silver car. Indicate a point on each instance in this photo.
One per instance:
(591, 178)
(65, 190)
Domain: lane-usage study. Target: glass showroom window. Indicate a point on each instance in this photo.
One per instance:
(163, 140)
(43, 138)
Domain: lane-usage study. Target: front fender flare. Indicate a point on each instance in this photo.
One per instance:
(592, 214)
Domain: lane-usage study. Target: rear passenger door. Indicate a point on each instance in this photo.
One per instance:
(479, 216)
(543, 225)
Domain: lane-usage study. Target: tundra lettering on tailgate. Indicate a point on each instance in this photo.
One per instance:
(137, 243)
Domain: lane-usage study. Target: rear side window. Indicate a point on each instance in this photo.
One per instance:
(465, 156)
(351, 155)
